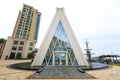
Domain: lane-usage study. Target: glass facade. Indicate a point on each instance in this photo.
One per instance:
(37, 27)
(60, 51)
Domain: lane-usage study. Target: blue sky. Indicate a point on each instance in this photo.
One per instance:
(96, 20)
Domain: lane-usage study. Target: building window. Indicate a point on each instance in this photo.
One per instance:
(29, 56)
(23, 37)
(31, 44)
(15, 42)
(18, 31)
(14, 48)
(17, 36)
(30, 48)
(18, 56)
(20, 48)
(21, 42)
(20, 24)
(25, 28)
(12, 55)
(19, 27)
(22, 15)
(25, 32)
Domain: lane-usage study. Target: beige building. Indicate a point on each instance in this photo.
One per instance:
(24, 37)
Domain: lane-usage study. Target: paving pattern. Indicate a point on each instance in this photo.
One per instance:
(112, 73)
(61, 72)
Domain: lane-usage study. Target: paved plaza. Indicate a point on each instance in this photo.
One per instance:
(6, 73)
(60, 72)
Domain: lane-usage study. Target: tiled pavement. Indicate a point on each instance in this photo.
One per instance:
(6, 73)
(66, 72)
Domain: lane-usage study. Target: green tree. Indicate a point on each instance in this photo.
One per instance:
(2, 40)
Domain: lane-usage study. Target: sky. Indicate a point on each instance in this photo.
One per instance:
(98, 21)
